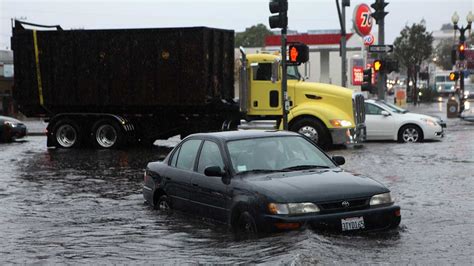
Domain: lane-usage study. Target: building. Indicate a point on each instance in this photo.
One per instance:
(6, 81)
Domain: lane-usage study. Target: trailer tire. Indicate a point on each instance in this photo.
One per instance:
(106, 134)
(313, 129)
(67, 134)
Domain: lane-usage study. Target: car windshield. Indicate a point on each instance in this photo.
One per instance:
(393, 108)
(285, 153)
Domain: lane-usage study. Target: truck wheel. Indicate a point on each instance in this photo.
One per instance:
(313, 129)
(67, 134)
(107, 134)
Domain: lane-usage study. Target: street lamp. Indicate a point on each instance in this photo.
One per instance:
(462, 39)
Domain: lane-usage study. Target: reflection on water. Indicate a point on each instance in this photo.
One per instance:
(85, 206)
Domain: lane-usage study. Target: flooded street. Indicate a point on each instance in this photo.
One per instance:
(86, 206)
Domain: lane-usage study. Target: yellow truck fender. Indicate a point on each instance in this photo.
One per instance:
(322, 111)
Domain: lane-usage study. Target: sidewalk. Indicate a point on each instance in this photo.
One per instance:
(36, 127)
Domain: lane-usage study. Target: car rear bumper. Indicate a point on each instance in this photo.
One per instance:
(380, 218)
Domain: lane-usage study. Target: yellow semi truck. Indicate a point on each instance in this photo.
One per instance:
(326, 113)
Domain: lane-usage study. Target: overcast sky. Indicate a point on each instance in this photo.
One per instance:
(229, 14)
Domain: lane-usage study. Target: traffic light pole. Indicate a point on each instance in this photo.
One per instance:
(381, 80)
(284, 84)
(461, 91)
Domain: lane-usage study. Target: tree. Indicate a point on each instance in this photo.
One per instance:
(411, 48)
(253, 36)
(443, 54)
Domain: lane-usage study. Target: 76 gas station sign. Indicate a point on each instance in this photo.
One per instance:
(362, 19)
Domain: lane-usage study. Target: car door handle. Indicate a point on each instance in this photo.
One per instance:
(195, 185)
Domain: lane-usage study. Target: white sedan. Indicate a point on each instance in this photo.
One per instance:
(388, 122)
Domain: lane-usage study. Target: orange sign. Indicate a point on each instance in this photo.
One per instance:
(293, 54)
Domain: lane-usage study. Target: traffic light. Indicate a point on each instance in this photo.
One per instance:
(453, 55)
(379, 7)
(367, 81)
(385, 65)
(453, 76)
(378, 65)
(461, 49)
(281, 19)
(390, 65)
(298, 53)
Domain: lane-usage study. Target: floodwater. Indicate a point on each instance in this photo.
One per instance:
(85, 206)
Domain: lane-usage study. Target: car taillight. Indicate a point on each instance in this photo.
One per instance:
(145, 176)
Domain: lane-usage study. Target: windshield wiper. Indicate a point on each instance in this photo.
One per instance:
(304, 167)
(259, 171)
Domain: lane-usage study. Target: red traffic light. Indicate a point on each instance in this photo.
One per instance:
(298, 53)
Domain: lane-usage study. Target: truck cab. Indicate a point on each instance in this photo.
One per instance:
(326, 113)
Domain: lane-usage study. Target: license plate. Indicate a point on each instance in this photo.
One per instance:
(354, 223)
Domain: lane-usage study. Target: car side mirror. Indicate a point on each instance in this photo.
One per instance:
(339, 160)
(214, 171)
(385, 113)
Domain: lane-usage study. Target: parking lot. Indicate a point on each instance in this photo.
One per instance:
(86, 206)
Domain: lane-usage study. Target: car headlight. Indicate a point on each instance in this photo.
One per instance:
(9, 123)
(292, 208)
(340, 123)
(379, 199)
(430, 122)
(440, 88)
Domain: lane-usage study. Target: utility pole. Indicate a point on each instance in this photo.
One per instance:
(379, 16)
(343, 44)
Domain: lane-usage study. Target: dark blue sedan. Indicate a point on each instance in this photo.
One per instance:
(258, 181)
(11, 129)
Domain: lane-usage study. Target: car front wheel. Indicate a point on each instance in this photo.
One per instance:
(246, 224)
(163, 203)
(410, 133)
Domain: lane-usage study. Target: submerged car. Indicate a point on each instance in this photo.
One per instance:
(11, 129)
(257, 181)
(386, 121)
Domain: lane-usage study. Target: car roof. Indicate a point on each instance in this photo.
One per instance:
(242, 134)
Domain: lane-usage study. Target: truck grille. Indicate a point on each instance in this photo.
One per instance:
(359, 109)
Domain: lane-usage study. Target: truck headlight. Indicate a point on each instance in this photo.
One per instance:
(380, 199)
(292, 208)
(340, 123)
(429, 122)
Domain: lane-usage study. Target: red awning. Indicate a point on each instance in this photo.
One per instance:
(308, 39)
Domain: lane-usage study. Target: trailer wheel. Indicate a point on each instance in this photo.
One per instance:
(107, 134)
(67, 134)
